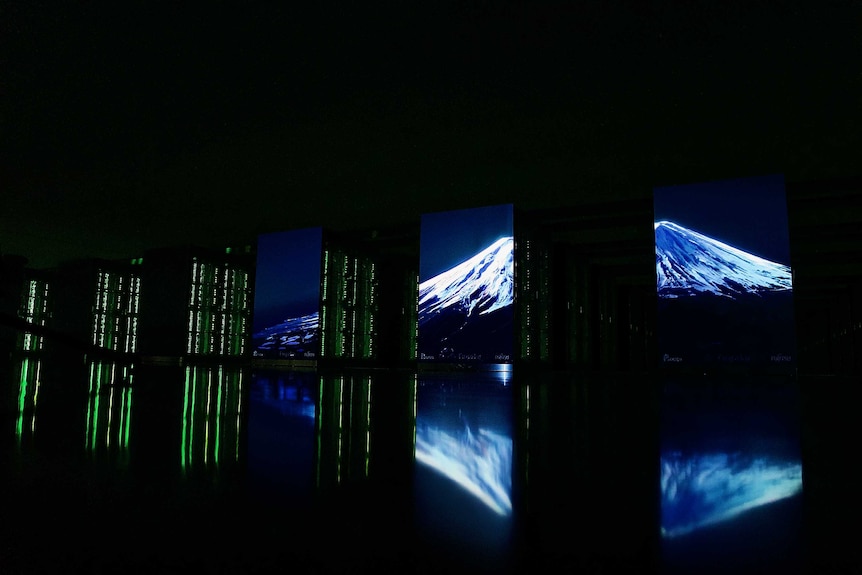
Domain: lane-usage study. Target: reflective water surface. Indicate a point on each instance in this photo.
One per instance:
(206, 468)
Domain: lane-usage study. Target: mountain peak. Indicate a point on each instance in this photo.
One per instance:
(478, 285)
(690, 263)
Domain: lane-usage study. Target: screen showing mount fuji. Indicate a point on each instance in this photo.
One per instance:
(287, 295)
(466, 285)
(725, 289)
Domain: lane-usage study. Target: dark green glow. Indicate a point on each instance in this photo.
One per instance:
(191, 414)
(127, 402)
(238, 411)
(319, 417)
(183, 452)
(95, 409)
(89, 396)
(207, 418)
(367, 424)
(22, 397)
(340, 427)
(221, 383)
(110, 416)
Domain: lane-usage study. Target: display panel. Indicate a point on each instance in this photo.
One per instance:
(287, 295)
(730, 479)
(466, 286)
(724, 283)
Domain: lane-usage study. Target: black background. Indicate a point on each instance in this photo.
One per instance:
(128, 126)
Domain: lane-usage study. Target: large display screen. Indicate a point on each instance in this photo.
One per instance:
(731, 479)
(725, 288)
(287, 295)
(466, 286)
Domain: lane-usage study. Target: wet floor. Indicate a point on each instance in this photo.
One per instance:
(117, 468)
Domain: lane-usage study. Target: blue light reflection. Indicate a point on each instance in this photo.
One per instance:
(707, 488)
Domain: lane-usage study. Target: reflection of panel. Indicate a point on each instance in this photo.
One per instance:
(212, 416)
(463, 471)
(703, 489)
(343, 429)
(109, 407)
(730, 472)
(463, 432)
(281, 434)
(29, 382)
(466, 289)
(724, 283)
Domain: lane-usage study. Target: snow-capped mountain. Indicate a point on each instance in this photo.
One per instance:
(291, 333)
(478, 286)
(689, 263)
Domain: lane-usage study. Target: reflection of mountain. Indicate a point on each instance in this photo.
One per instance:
(466, 312)
(481, 463)
(294, 336)
(707, 489)
(689, 263)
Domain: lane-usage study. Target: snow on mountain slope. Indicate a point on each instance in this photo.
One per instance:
(689, 263)
(291, 332)
(480, 285)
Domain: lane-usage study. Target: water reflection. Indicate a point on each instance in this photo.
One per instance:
(281, 431)
(109, 407)
(343, 448)
(730, 473)
(212, 415)
(442, 469)
(29, 381)
(464, 466)
(464, 432)
(706, 488)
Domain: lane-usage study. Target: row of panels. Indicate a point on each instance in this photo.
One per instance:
(490, 285)
(492, 289)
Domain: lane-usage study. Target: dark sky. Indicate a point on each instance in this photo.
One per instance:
(452, 237)
(748, 213)
(287, 275)
(126, 126)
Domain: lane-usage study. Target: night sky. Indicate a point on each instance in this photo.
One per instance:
(452, 237)
(749, 213)
(287, 276)
(130, 125)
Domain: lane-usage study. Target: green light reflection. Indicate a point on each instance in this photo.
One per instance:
(212, 408)
(114, 413)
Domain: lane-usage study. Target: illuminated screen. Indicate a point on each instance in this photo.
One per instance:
(287, 295)
(466, 287)
(281, 435)
(731, 479)
(725, 293)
